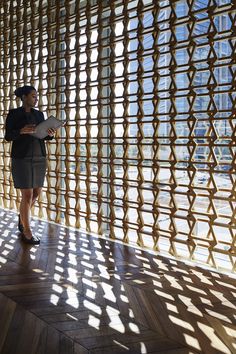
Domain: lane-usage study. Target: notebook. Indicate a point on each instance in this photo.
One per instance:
(41, 130)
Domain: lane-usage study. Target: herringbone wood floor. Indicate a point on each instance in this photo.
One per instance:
(79, 294)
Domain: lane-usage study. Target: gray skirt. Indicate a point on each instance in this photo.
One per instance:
(28, 172)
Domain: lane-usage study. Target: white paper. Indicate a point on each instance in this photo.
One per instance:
(41, 130)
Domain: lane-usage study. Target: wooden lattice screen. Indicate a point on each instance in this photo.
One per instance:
(148, 92)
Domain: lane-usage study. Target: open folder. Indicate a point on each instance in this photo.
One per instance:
(41, 130)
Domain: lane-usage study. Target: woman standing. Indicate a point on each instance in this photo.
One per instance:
(28, 156)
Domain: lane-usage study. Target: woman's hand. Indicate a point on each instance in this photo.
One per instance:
(28, 129)
(51, 132)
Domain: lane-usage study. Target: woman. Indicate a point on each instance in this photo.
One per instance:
(28, 163)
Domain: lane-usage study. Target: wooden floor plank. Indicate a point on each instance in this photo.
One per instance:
(78, 294)
(14, 331)
(226, 332)
(23, 332)
(7, 310)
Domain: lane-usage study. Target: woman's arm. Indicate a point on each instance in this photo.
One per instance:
(11, 133)
(49, 137)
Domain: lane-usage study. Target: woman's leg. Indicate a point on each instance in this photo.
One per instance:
(25, 206)
(28, 199)
(36, 193)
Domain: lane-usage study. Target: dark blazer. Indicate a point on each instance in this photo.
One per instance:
(21, 143)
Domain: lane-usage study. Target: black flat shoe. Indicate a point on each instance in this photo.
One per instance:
(31, 241)
(20, 226)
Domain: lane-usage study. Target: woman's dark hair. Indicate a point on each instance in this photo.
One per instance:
(24, 90)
